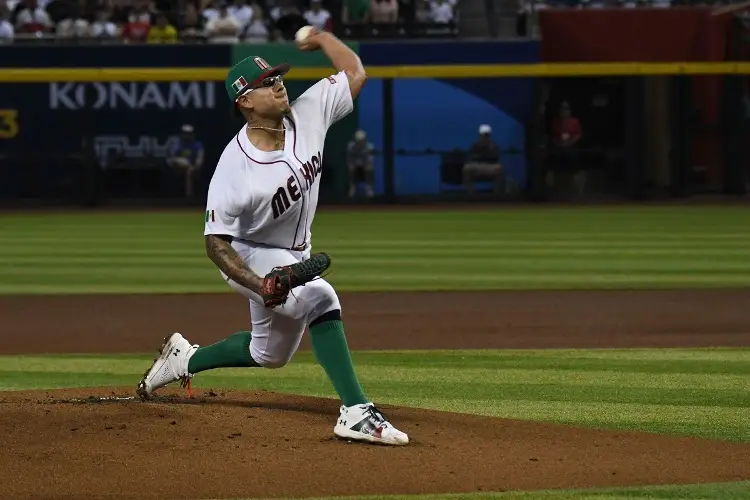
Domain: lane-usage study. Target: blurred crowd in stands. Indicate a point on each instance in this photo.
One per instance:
(214, 21)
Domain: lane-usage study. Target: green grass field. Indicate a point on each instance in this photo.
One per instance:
(695, 392)
(378, 250)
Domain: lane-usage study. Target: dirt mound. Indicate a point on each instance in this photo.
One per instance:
(73, 444)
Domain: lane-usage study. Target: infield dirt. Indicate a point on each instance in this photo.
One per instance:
(73, 444)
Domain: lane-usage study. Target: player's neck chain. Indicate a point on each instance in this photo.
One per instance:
(270, 129)
(279, 142)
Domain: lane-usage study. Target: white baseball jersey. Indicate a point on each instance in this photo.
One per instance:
(271, 197)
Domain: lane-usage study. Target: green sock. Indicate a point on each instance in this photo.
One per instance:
(233, 351)
(332, 352)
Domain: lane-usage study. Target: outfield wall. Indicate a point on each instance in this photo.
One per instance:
(135, 115)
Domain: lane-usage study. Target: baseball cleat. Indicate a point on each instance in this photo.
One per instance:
(170, 366)
(364, 422)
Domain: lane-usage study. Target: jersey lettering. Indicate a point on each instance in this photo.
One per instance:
(271, 197)
(307, 175)
(279, 202)
(311, 169)
(294, 192)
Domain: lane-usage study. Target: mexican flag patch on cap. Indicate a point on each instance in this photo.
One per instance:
(239, 84)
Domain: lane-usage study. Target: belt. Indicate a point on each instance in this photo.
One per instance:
(298, 248)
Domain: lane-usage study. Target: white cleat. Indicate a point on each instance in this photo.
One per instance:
(170, 366)
(364, 422)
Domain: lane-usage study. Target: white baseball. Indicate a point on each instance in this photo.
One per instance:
(303, 33)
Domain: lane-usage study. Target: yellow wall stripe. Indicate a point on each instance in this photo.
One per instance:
(29, 75)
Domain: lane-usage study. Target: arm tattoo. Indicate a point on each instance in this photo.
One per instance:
(219, 250)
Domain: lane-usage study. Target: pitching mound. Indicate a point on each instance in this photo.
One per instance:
(90, 444)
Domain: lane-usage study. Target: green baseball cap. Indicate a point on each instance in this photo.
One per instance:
(248, 73)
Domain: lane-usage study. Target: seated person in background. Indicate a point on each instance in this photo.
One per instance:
(359, 162)
(422, 12)
(162, 31)
(287, 19)
(187, 157)
(484, 162)
(566, 134)
(74, 25)
(138, 19)
(6, 28)
(102, 27)
(223, 27)
(318, 17)
(256, 31)
(242, 13)
(441, 12)
(190, 22)
(355, 11)
(384, 11)
(31, 18)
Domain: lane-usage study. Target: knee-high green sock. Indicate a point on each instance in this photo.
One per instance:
(330, 348)
(233, 351)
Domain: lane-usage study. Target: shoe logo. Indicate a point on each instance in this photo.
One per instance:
(176, 351)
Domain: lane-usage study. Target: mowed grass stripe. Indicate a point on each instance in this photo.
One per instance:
(582, 245)
(712, 491)
(478, 264)
(530, 361)
(152, 283)
(702, 421)
(424, 375)
(615, 362)
(501, 249)
(731, 390)
(627, 251)
(102, 288)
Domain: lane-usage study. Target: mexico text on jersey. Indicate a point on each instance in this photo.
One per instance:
(271, 197)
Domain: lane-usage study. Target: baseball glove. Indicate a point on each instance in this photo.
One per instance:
(279, 282)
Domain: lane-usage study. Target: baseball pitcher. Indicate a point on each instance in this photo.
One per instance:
(261, 204)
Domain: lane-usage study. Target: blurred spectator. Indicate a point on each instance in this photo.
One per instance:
(211, 11)
(360, 165)
(74, 25)
(103, 27)
(223, 28)
(31, 18)
(287, 20)
(422, 12)
(6, 28)
(441, 11)
(484, 162)
(566, 135)
(318, 16)
(189, 22)
(138, 20)
(384, 11)
(187, 157)
(162, 31)
(242, 12)
(256, 31)
(137, 11)
(56, 9)
(355, 11)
